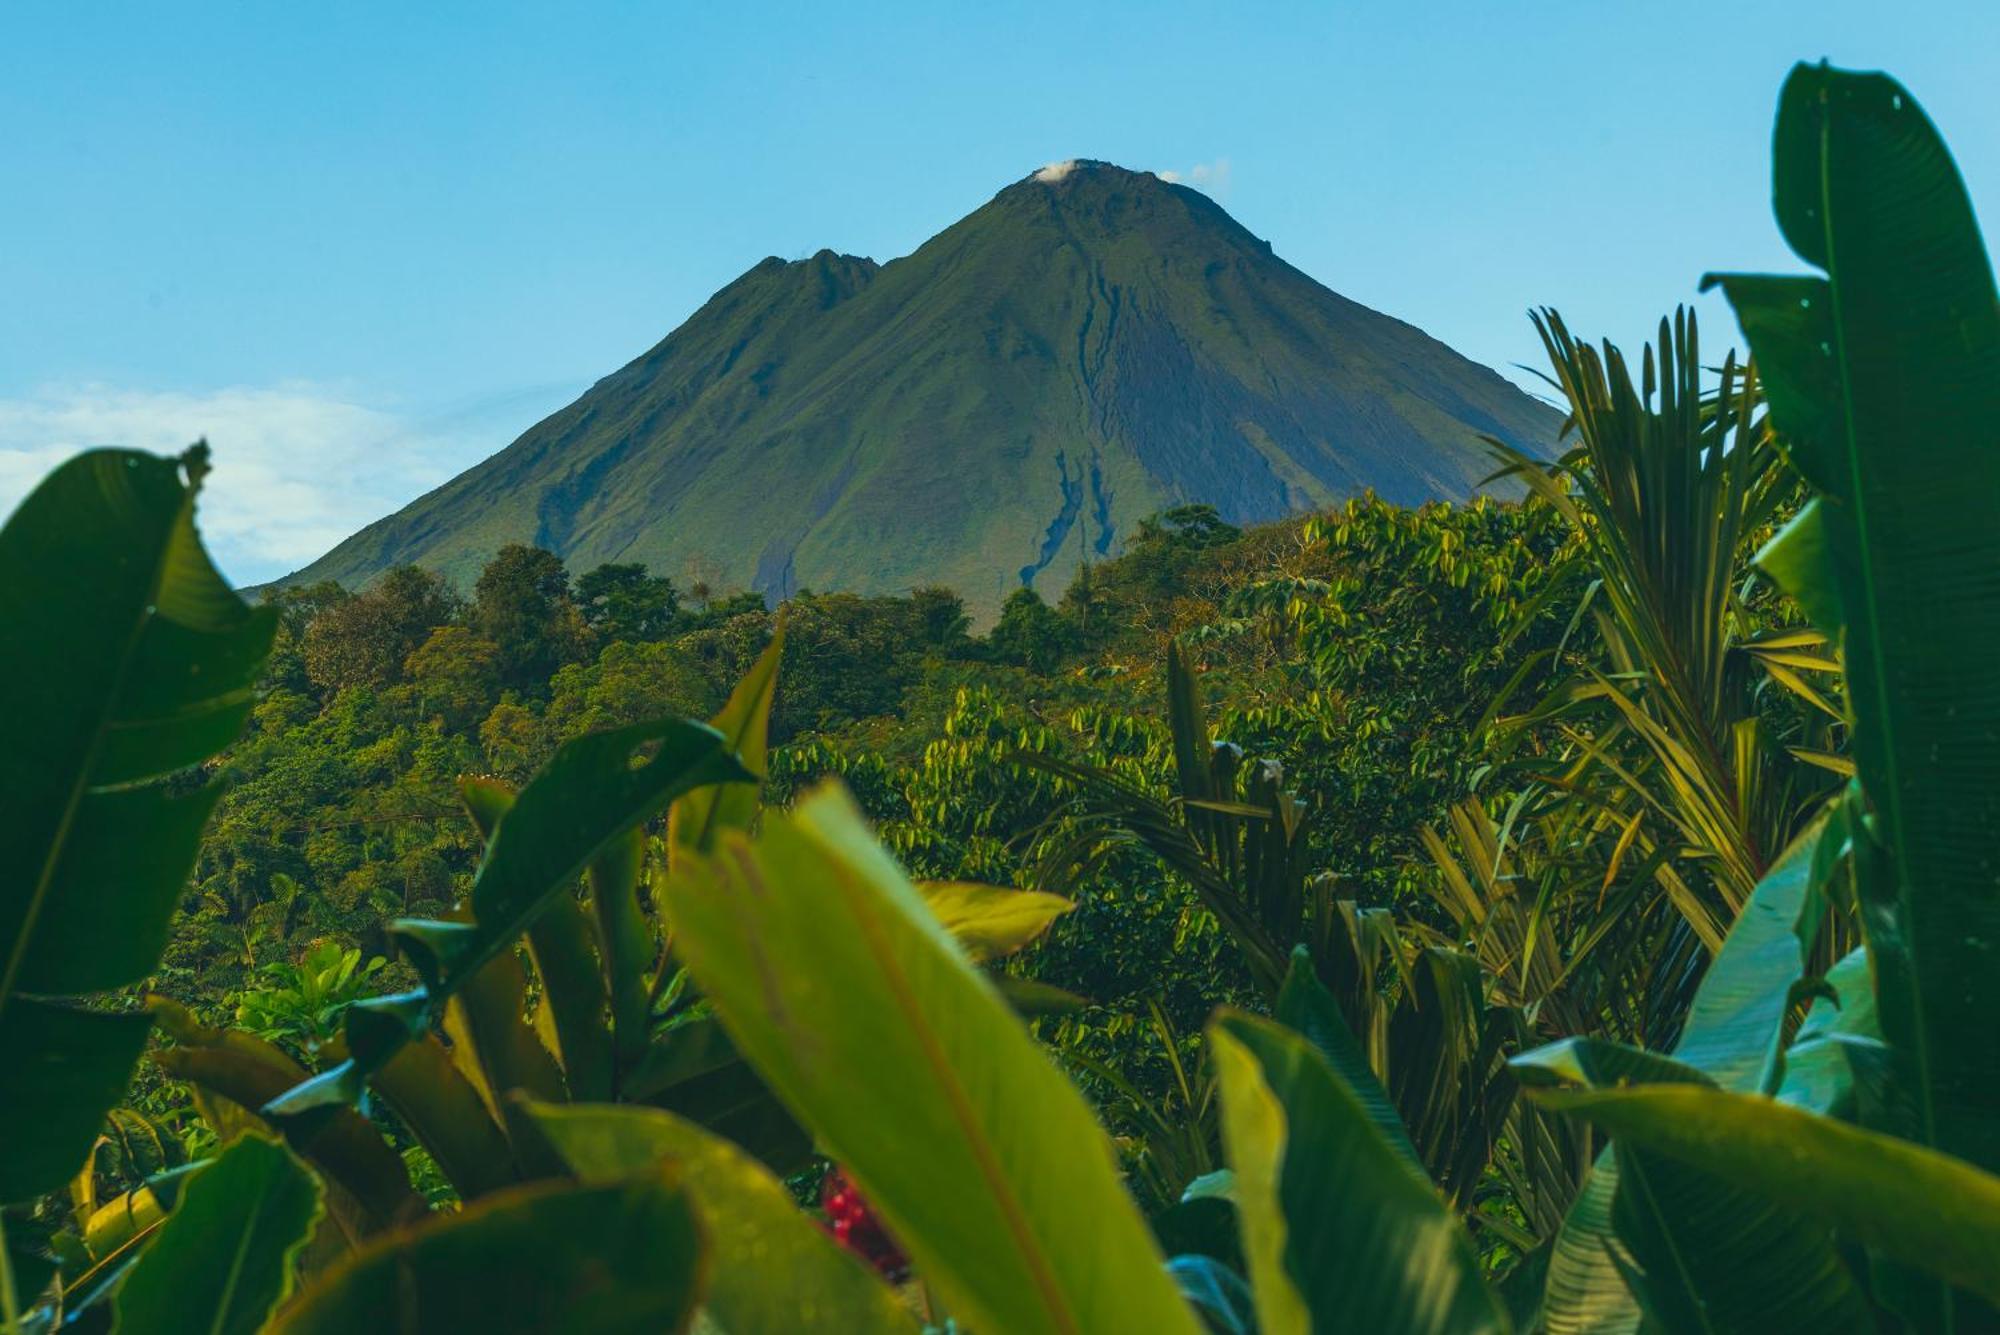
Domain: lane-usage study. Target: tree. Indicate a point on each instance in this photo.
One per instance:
(512, 738)
(1029, 634)
(365, 640)
(457, 675)
(628, 683)
(299, 605)
(522, 603)
(620, 601)
(1188, 527)
(940, 617)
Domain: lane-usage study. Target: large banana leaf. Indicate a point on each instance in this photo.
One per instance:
(1884, 377)
(224, 1257)
(1340, 1232)
(1632, 1221)
(1928, 1210)
(131, 660)
(546, 1259)
(770, 1267)
(870, 1022)
(589, 795)
(1838, 1065)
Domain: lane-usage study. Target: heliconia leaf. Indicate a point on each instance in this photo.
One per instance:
(745, 724)
(492, 1042)
(569, 1009)
(137, 660)
(545, 1259)
(1838, 1057)
(872, 1024)
(224, 1258)
(770, 1267)
(992, 921)
(1340, 1234)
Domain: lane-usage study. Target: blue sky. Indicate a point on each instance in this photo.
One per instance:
(362, 245)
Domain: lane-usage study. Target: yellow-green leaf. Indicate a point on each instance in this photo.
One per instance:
(872, 1024)
(992, 921)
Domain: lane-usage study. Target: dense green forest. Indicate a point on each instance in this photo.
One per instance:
(1357, 649)
(1571, 914)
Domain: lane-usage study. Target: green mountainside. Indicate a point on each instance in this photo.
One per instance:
(1091, 346)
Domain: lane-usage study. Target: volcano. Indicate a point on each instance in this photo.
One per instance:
(1091, 346)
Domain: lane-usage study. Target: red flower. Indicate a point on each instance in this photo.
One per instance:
(858, 1228)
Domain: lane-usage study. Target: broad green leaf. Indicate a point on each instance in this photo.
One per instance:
(66, 1067)
(233, 1074)
(1798, 558)
(137, 661)
(1339, 1233)
(745, 724)
(224, 1257)
(1731, 1038)
(1838, 1061)
(1309, 1009)
(1928, 1210)
(448, 1116)
(871, 1023)
(1735, 1025)
(1698, 1251)
(1585, 1291)
(1598, 1062)
(548, 1258)
(626, 941)
(695, 1072)
(492, 1042)
(569, 1009)
(992, 921)
(595, 789)
(1884, 378)
(770, 1267)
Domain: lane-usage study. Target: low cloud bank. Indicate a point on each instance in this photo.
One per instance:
(298, 466)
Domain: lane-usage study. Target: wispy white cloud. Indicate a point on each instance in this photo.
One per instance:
(298, 466)
(1055, 171)
(1210, 178)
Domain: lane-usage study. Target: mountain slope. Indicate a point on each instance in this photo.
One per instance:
(1089, 347)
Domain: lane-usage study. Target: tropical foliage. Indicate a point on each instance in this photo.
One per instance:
(1568, 915)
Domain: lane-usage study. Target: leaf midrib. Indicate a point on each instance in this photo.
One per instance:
(1891, 800)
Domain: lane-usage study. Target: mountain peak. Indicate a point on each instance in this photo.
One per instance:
(1055, 173)
(1091, 346)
